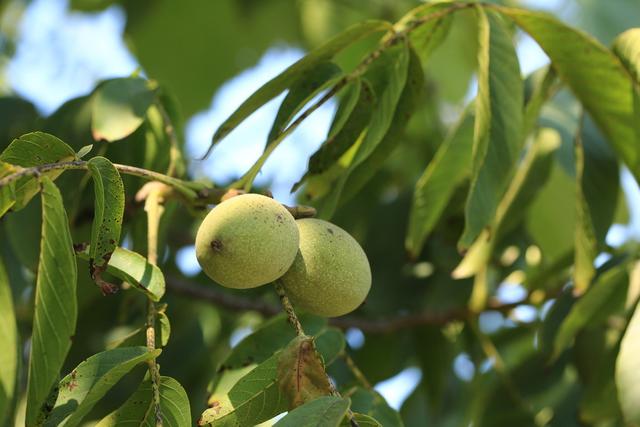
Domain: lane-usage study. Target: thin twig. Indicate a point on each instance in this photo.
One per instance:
(154, 208)
(288, 308)
(385, 325)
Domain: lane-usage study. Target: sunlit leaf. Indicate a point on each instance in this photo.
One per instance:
(119, 107)
(34, 149)
(255, 398)
(136, 270)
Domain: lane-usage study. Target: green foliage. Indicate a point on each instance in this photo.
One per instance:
(455, 202)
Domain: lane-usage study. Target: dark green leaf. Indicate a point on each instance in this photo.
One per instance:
(450, 165)
(598, 183)
(7, 192)
(498, 135)
(291, 75)
(91, 380)
(326, 411)
(594, 74)
(346, 135)
(108, 212)
(119, 107)
(10, 344)
(330, 343)
(301, 372)
(370, 402)
(596, 302)
(56, 308)
(138, 410)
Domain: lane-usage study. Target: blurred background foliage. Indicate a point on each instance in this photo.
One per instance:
(454, 372)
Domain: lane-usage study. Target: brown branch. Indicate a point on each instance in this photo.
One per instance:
(370, 325)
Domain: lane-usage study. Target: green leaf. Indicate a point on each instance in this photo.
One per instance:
(91, 380)
(271, 336)
(596, 302)
(301, 372)
(598, 183)
(448, 168)
(370, 402)
(165, 329)
(594, 74)
(134, 269)
(34, 149)
(498, 137)
(346, 135)
(330, 343)
(326, 411)
(532, 173)
(428, 36)
(108, 212)
(300, 93)
(294, 73)
(56, 310)
(410, 100)
(387, 76)
(10, 344)
(119, 107)
(628, 370)
(138, 409)
(255, 398)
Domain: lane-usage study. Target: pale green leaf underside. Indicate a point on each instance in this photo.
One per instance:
(134, 269)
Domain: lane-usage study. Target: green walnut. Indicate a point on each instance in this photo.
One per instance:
(247, 241)
(330, 275)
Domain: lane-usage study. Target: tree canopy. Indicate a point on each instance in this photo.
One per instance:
(486, 220)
